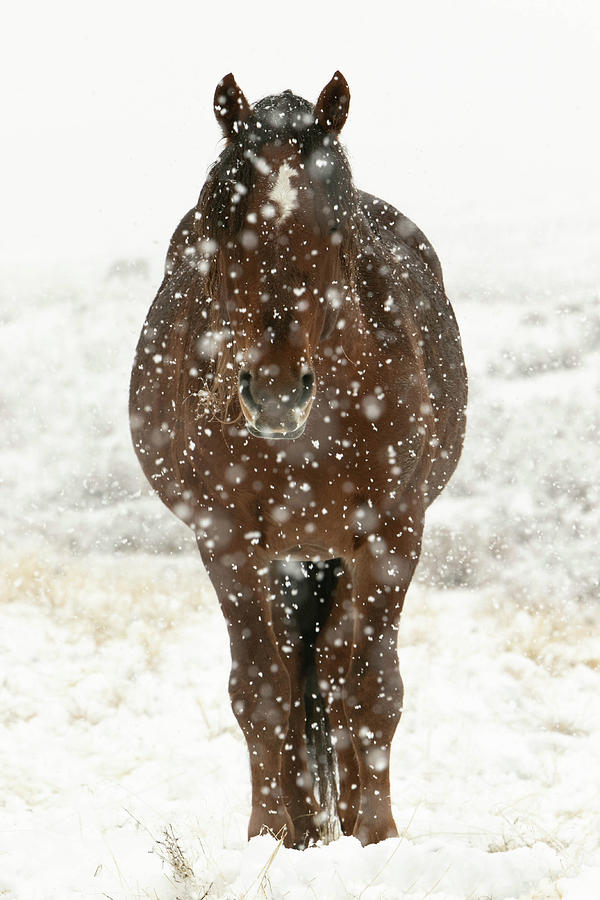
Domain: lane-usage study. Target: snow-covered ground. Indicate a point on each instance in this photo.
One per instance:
(122, 771)
(119, 741)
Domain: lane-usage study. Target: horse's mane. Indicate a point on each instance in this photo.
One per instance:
(278, 120)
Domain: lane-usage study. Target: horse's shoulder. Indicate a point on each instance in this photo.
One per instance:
(185, 235)
(396, 229)
(182, 294)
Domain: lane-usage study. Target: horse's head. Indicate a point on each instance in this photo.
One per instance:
(281, 212)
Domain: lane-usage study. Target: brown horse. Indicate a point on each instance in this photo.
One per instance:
(298, 398)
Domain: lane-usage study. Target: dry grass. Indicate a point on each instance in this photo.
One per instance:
(261, 883)
(524, 832)
(106, 597)
(556, 637)
(173, 854)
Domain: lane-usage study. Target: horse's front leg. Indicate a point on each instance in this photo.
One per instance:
(259, 686)
(382, 571)
(296, 779)
(334, 653)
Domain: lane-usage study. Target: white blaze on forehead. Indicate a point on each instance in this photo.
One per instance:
(282, 192)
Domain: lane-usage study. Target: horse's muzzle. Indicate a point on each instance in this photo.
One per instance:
(274, 409)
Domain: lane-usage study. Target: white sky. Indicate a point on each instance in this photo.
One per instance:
(465, 112)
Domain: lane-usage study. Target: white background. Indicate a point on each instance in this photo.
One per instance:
(460, 112)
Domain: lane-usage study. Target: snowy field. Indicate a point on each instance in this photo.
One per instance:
(123, 773)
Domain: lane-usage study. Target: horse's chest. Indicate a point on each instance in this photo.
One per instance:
(307, 511)
(314, 496)
(303, 500)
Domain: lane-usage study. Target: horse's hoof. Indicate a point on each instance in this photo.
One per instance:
(307, 835)
(277, 823)
(371, 831)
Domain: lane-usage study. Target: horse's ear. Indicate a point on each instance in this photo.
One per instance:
(231, 107)
(331, 108)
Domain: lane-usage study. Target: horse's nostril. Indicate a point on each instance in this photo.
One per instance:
(308, 381)
(246, 391)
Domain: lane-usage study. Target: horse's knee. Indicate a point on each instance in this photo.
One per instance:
(261, 706)
(374, 696)
(333, 654)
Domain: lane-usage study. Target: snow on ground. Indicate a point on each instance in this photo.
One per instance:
(119, 744)
(123, 773)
